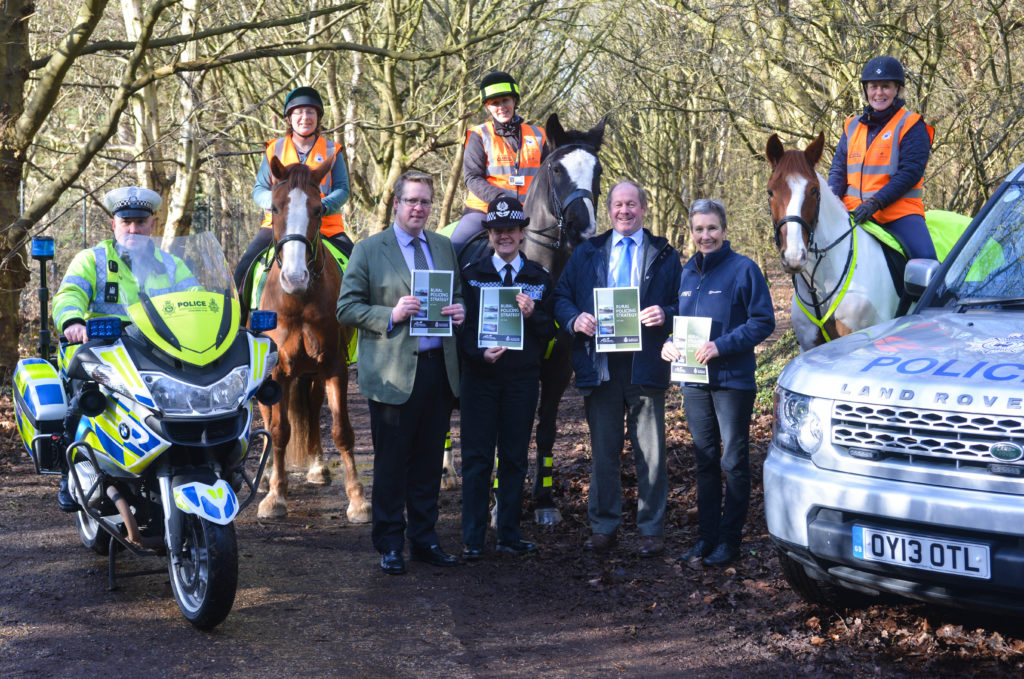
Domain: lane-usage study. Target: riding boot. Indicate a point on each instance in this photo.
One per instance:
(65, 500)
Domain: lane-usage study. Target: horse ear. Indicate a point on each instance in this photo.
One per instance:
(323, 168)
(554, 130)
(276, 169)
(813, 151)
(596, 133)
(774, 150)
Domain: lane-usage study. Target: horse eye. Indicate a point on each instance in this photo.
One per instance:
(273, 209)
(771, 194)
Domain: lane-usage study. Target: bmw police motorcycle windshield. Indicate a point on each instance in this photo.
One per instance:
(151, 417)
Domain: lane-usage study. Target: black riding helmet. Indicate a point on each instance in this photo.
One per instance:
(498, 84)
(304, 96)
(882, 68)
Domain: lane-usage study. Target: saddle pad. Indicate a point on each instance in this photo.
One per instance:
(945, 228)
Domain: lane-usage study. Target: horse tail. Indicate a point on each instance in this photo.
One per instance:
(304, 403)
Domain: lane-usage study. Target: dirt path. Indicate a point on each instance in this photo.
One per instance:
(311, 601)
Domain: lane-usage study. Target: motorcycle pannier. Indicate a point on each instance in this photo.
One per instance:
(39, 408)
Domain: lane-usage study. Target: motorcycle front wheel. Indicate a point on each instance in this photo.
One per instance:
(205, 579)
(93, 537)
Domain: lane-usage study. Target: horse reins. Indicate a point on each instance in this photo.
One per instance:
(810, 230)
(558, 208)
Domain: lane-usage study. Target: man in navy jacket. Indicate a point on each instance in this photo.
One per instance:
(617, 384)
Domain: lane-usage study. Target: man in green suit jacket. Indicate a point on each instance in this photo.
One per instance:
(410, 381)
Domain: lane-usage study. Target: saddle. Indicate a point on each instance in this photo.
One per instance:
(945, 229)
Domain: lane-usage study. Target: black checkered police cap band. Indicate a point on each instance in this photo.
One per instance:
(505, 213)
(130, 202)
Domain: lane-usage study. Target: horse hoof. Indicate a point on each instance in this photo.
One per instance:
(358, 514)
(548, 516)
(271, 508)
(320, 476)
(448, 482)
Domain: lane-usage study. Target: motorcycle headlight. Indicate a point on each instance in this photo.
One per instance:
(175, 397)
(797, 428)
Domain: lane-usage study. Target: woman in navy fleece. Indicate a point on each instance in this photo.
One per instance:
(731, 290)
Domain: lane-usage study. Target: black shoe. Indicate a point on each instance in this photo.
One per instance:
(698, 551)
(722, 555)
(433, 555)
(65, 500)
(518, 548)
(392, 562)
(472, 553)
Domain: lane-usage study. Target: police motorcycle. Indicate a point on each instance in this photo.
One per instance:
(150, 419)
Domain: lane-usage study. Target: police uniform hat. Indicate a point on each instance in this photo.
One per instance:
(503, 213)
(132, 202)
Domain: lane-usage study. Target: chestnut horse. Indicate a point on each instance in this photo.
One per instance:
(302, 287)
(841, 282)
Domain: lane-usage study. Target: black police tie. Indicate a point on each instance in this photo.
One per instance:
(419, 260)
(507, 282)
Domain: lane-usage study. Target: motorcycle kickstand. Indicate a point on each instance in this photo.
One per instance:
(111, 558)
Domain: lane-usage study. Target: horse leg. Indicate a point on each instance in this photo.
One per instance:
(449, 477)
(275, 504)
(345, 438)
(555, 373)
(318, 473)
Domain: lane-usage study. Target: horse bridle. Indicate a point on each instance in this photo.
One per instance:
(312, 250)
(816, 301)
(557, 208)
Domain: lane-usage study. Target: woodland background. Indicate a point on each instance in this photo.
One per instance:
(181, 95)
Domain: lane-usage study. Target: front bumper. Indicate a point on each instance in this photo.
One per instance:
(811, 513)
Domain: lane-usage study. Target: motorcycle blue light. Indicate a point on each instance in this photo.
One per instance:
(42, 247)
(262, 320)
(107, 327)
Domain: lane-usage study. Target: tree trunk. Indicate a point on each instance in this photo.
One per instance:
(14, 273)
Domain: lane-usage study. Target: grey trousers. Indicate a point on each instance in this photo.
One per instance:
(644, 412)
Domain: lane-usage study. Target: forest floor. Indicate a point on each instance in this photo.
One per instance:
(312, 602)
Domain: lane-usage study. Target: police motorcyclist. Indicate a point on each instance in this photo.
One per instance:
(100, 280)
(879, 164)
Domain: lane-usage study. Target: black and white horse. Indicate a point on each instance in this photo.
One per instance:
(561, 204)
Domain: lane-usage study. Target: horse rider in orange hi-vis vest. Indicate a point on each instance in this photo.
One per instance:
(302, 143)
(878, 167)
(501, 157)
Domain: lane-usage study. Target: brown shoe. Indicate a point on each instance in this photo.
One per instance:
(600, 542)
(651, 545)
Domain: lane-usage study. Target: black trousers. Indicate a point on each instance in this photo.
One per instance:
(495, 412)
(408, 450)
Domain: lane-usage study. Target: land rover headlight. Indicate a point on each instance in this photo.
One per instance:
(797, 428)
(174, 397)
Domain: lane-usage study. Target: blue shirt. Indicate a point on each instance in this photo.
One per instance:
(405, 240)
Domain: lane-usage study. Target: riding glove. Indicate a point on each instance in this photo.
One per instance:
(863, 212)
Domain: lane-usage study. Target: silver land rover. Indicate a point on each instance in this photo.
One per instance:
(897, 459)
